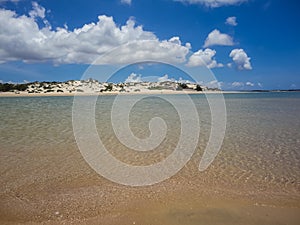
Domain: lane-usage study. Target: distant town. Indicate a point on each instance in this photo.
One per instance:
(93, 86)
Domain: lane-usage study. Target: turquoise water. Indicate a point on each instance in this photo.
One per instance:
(260, 148)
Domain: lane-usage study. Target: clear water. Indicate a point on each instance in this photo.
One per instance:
(260, 149)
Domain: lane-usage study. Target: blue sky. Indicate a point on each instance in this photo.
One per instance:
(257, 48)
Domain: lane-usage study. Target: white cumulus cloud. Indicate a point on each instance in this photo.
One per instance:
(231, 21)
(237, 84)
(249, 84)
(21, 39)
(241, 59)
(242, 85)
(213, 3)
(217, 38)
(214, 84)
(164, 78)
(134, 78)
(128, 2)
(37, 11)
(204, 58)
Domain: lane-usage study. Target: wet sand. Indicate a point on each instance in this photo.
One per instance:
(62, 189)
(85, 201)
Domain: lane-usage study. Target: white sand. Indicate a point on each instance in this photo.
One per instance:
(155, 92)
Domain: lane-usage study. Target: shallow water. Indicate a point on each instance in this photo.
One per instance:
(39, 158)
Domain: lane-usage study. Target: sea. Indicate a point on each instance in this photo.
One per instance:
(259, 152)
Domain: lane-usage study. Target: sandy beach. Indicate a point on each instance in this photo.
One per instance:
(167, 112)
(150, 92)
(82, 197)
(173, 202)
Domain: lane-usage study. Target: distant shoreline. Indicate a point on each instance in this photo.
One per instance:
(153, 92)
(150, 92)
(93, 87)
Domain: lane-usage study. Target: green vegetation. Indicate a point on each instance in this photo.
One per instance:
(12, 87)
(109, 87)
(6, 87)
(156, 88)
(92, 85)
(182, 85)
(198, 88)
